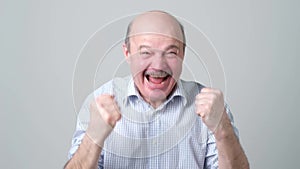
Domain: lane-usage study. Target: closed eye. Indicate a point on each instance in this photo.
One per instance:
(145, 53)
(172, 53)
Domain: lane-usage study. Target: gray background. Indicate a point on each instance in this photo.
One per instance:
(258, 43)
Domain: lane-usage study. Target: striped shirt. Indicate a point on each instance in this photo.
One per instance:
(168, 137)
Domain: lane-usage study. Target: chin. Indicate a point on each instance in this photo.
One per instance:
(157, 95)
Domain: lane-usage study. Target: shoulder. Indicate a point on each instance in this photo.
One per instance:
(191, 86)
(112, 86)
(189, 89)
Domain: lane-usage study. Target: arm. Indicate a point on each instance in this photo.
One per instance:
(210, 107)
(104, 114)
(86, 156)
(230, 152)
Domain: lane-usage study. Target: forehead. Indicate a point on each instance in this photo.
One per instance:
(154, 41)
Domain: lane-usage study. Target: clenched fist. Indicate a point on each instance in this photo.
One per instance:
(210, 107)
(104, 114)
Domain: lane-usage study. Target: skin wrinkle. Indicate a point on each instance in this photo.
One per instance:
(161, 50)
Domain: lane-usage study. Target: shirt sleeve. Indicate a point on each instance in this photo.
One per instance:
(211, 159)
(79, 133)
(76, 141)
(83, 118)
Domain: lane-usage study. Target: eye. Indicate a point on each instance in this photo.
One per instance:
(172, 53)
(145, 53)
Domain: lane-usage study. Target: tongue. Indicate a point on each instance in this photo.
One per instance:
(156, 80)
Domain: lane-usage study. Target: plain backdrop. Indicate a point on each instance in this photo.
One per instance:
(40, 41)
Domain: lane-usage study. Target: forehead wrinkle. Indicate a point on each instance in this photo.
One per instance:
(144, 46)
(160, 45)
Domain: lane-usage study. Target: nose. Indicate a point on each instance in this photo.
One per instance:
(158, 61)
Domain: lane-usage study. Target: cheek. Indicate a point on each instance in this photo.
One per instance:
(137, 66)
(176, 67)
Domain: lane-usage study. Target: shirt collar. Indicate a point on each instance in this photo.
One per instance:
(132, 91)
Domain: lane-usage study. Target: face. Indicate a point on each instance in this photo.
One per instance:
(156, 64)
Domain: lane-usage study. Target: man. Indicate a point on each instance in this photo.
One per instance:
(152, 119)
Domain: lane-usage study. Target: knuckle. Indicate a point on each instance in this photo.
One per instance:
(104, 98)
(118, 116)
(110, 118)
(213, 97)
(203, 116)
(106, 117)
(205, 89)
(206, 106)
(218, 92)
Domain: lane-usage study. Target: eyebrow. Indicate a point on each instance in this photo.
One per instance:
(167, 48)
(144, 46)
(172, 46)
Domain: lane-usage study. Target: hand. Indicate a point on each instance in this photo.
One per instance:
(210, 107)
(104, 114)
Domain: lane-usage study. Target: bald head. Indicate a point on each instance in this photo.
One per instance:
(155, 22)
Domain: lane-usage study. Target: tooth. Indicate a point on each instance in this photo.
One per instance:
(158, 74)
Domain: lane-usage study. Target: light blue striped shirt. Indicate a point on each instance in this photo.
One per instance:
(168, 137)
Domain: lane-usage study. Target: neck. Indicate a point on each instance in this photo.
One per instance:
(156, 104)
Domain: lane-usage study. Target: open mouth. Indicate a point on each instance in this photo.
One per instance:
(156, 77)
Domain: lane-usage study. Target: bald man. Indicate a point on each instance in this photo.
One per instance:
(153, 119)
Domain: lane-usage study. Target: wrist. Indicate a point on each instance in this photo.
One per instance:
(86, 156)
(95, 137)
(224, 129)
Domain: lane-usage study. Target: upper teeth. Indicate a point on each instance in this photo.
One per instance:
(157, 74)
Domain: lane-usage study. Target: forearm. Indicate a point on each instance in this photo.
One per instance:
(230, 152)
(86, 157)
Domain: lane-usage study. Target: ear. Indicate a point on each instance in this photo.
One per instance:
(126, 52)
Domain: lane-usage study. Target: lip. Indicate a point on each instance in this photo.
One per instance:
(161, 86)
